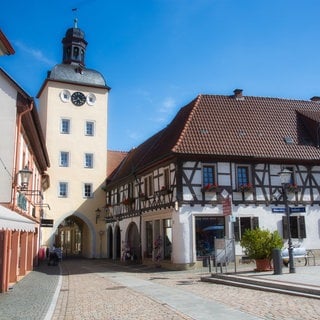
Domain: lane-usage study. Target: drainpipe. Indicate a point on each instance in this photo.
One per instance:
(18, 139)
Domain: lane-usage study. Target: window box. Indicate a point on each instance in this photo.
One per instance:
(246, 187)
(142, 196)
(211, 188)
(128, 201)
(292, 188)
(164, 190)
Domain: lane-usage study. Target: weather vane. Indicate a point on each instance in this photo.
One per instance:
(75, 19)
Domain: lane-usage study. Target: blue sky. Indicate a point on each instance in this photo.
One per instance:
(158, 55)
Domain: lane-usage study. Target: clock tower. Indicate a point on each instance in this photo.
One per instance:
(73, 104)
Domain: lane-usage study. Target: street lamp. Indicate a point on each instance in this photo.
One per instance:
(25, 175)
(285, 178)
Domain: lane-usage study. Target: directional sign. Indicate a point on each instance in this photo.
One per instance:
(297, 209)
(278, 210)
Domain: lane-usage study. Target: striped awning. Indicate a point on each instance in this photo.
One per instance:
(10, 220)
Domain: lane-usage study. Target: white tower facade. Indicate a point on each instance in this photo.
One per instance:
(73, 103)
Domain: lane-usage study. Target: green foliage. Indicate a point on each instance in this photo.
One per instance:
(258, 243)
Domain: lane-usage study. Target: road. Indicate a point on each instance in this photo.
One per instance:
(98, 289)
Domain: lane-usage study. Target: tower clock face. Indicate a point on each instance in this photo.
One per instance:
(78, 98)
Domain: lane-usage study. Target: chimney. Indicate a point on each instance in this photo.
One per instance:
(238, 94)
(315, 99)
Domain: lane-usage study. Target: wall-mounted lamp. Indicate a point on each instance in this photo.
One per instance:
(25, 175)
(98, 214)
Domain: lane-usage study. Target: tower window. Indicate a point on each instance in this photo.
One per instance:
(63, 189)
(65, 126)
(88, 160)
(76, 53)
(87, 190)
(64, 159)
(89, 130)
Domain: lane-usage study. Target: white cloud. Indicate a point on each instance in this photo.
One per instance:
(36, 54)
(168, 105)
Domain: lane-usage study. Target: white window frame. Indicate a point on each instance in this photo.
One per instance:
(207, 165)
(149, 185)
(86, 157)
(85, 192)
(65, 194)
(92, 128)
(238, 185)
(62, 126)
(61, 160)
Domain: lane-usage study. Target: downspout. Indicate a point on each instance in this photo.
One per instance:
(18, 139)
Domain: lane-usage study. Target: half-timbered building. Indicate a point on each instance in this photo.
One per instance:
(213, 172)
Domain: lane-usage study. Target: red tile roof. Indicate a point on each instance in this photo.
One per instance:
(114, 158)
(224, 127)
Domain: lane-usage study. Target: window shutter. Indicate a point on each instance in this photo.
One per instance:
(255, 222)
(285, 227)
(236, 229)
(302, 227)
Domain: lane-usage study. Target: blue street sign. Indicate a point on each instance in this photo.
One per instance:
(291, 210)
(297, 209)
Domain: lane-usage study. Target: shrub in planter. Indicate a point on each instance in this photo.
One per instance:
(259, 243)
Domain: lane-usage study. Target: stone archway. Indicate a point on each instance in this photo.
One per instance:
(133, 241)
(70, 237)
(110, 243)
(117, 238)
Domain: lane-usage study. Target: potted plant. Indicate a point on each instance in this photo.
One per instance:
(258, 245)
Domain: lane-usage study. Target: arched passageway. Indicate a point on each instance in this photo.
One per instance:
(73, 237)
(110, 243)
(117, 242)
(133, 241)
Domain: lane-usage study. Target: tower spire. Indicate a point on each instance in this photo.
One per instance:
(74, 46)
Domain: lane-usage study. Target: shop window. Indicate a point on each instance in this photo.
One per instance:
(207, 229)
(242, 224)
(167, 238)
(297, 227)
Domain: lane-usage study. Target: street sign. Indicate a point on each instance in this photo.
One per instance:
(47, 223)
(297, 209)
(278, 210)
(291, 210)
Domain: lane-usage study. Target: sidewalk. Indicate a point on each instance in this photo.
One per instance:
(36, 296)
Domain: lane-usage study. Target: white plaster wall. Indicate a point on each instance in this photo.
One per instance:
(8, 134)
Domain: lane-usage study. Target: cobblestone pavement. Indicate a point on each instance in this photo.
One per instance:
(31, 297)
(98, 289)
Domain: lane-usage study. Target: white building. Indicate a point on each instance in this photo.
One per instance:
(73, 113)
(212, 173)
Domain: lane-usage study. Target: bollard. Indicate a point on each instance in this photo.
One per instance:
(277, 261)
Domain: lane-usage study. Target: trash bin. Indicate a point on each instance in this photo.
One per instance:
(277, 261)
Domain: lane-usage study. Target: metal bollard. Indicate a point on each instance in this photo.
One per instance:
(277, 261)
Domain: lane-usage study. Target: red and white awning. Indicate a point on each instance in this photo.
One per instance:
(11, 220)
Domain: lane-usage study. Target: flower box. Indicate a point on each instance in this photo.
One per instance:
(246, 187)
(210, 188)
(128, 201)
(292, 188)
